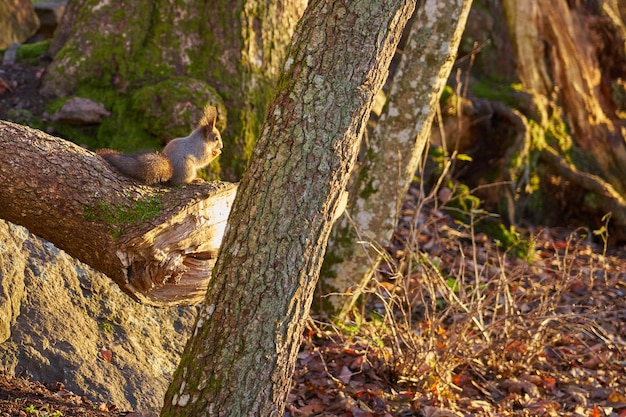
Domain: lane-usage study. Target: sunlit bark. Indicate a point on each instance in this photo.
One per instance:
(392, 154)
(242, 355)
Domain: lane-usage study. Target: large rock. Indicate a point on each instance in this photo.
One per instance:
(60, 321)
(81, 111)
(18, 21)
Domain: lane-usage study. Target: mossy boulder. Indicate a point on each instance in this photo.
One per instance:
(172, 108)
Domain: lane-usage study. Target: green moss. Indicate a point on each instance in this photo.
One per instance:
(367, 189)
(509, 238)
(533, 194)
(248, 121)
(537, 136)
(534, 198)
(156, 62)
(480, 5)
(151, 51)
(121, 131)
(22, 116)
(107, 326)
(327, 271)
(145, 119)
(495, 90)
(29, 52)
(55, 105)
(124, 130)
(121, 217)
(113, 55)
(592, 201)
(467, 209)
(343, 240)
(172, 108)
(81, 135)
(618, 94)
(446, 95)
(365, 184)
(516, 163)
(557, 134)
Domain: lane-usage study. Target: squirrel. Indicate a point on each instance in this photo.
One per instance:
(147, 167)
(180, 159)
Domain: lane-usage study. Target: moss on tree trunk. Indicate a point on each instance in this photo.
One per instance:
(548, 137)
(110, 51)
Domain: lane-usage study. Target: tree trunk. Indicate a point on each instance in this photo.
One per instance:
(551, 148)
(129, 55)
(18, 22)
(558, 48)
(393, 152)
(240, 360)
(158, 244)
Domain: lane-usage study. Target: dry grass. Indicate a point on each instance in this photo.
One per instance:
(480, 332)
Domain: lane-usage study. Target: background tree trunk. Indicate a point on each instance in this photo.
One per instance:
(18, 22)
(558, 48)
(242, 355)
(392, 153)
(541, 112)
(158, 244)
(127, 55)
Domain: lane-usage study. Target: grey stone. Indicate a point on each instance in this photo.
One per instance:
(10, 54)
(81, 111)
(60, 321)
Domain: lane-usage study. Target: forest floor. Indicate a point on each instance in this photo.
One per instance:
(459, 330)
(453, 324)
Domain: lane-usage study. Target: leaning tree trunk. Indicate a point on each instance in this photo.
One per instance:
(159, 244)
(139, 56)
(393, 152)
(557, 47)
(240, 360)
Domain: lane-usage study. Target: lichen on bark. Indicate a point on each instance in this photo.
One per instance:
(393, 150)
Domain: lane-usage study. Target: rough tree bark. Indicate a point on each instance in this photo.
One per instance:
(240, 360)
(558, 48)
(18, 22)
(138, 57)
(393, 151)
(546, 129)
(561, 153)
(158, 244)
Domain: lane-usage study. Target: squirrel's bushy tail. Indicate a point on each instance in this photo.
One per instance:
(147, 167)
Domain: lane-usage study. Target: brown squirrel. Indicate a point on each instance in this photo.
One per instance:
(181, 157)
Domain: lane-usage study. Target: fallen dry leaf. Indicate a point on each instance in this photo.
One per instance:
(107, 354)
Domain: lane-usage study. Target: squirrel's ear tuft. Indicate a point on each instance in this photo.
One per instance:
(209, 117)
